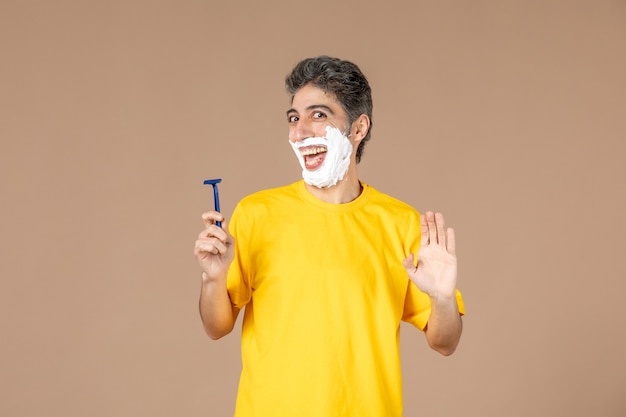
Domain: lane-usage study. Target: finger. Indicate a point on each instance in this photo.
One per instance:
(209, 246)
(229, 237)
(214, 231)
(408, 263)
(211, 217)
(432, 227)
(451, 241)
(440, 224)
(423, 231)
(206, 246)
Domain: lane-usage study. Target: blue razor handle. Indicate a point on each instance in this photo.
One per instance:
(216, 196)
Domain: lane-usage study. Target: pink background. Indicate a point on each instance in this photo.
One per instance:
(508, 116)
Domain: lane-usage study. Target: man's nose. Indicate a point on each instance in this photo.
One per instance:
(300, 131)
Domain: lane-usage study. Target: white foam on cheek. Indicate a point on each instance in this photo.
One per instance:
(336, 162)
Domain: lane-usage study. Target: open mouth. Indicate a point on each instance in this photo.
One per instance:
(313, 156)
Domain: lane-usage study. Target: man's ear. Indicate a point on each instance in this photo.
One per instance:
(360, 127)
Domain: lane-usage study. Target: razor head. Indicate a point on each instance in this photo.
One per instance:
(213, 182)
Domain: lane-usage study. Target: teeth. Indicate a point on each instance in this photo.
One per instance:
(312, 151)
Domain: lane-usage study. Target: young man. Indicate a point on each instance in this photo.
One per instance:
(325, 268)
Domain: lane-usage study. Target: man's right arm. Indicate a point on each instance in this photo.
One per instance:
(217, 312)
(215, 251)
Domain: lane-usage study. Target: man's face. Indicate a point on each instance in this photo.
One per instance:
(312, 110)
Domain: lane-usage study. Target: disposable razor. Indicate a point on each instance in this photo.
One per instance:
(216, 196)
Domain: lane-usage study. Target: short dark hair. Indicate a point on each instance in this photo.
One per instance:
(342, 78)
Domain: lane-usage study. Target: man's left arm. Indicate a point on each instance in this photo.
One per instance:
(444, 327)
(436, 275)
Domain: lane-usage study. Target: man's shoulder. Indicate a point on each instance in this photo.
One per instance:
(388, 202)
(270, 195)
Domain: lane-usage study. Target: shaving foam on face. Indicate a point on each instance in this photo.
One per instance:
(336, 162)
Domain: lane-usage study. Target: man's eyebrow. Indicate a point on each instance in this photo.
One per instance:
(313, 107)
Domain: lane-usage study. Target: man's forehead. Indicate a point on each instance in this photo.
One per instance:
(310, 96)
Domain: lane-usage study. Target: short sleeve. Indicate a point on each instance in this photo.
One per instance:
(417, 306)
(238, 281)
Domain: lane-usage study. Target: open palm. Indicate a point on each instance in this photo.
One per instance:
(436, 270)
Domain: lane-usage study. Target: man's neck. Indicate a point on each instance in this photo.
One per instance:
(344, 191)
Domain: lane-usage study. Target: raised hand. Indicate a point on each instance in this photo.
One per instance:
(214, 247)
(436, 270)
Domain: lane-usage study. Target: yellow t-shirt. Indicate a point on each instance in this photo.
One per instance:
(324, 291)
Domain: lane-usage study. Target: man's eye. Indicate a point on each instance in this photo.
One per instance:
(318, 115)
(292, 119)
